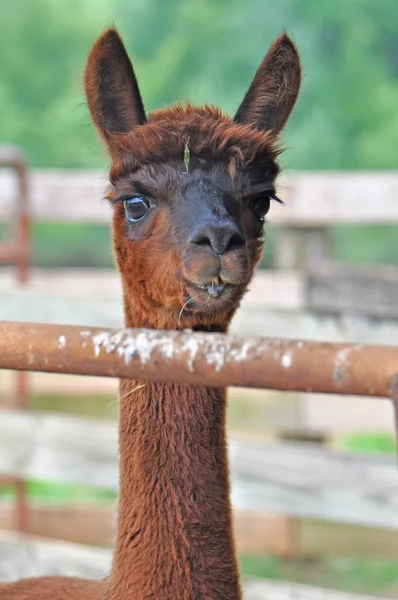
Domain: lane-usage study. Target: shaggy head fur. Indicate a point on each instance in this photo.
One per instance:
(187, 261)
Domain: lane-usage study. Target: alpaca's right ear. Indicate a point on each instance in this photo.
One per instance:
(274, 89)
(112, 90)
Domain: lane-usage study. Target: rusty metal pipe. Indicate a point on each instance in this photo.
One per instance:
(200, 358)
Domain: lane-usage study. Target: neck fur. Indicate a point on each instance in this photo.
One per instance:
(174, 536)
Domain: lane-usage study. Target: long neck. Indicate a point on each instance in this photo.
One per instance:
(174, 536)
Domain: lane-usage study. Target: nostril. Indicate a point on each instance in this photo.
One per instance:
(220, 239)
(201, 240)
(225, 239)
(235, 242)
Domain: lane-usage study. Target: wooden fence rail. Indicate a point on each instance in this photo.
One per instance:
(299, 480)
(277, 303)
(34, 558)
(314, 202)
(312, 199)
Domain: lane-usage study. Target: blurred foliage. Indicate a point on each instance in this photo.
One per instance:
(205, 51)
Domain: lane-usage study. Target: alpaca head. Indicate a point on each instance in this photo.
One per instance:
(190, 187)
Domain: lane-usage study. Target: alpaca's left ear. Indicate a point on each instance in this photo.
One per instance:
(274, 89)
(112, 90)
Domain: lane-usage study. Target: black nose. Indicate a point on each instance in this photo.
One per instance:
(221, 238)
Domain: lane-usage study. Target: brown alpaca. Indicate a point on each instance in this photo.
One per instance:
(190, 189)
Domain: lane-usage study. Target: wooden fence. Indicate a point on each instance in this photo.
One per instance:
(314, 202)
(300, 480)
(357, 494)
(312, 199)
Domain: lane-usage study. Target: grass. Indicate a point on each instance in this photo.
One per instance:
(63, 493)
(370, 442)
(345, 573)
(71, 245)
(98, 407)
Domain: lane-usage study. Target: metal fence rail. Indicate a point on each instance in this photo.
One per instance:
(201, 358)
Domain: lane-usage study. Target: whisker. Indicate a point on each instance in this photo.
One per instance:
(186, 303)
(138, 387)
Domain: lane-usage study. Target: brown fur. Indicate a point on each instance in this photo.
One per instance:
(174, 510)
(174, 535)
(275, 85)
(52, 588)
(212, 136)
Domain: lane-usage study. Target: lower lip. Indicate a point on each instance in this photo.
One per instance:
(197, 295)
(214, 290)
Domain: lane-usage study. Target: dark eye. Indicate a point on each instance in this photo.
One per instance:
(261, 206)
(136, 208)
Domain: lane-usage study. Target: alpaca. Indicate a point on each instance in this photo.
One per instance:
(190, 189)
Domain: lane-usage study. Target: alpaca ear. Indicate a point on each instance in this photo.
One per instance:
(112, 90)
(274, 89)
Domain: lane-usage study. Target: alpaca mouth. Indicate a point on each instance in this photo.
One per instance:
(210, 298)
(213, 289)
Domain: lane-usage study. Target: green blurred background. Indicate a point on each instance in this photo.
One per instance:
(204, 51)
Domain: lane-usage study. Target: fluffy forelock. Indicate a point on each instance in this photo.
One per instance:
(209, 134)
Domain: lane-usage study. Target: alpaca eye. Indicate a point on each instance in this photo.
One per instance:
(261, 206)
(136, 208)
